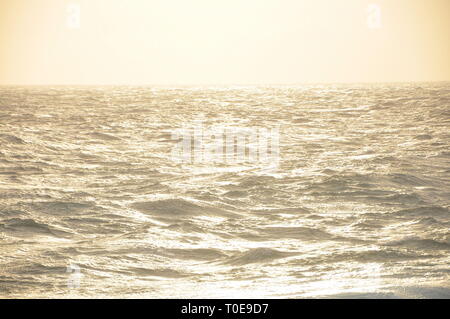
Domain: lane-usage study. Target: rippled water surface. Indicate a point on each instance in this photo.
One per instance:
(359, 205)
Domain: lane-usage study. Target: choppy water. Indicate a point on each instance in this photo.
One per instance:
(358, 207)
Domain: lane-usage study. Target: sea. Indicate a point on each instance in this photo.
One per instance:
(352, 201)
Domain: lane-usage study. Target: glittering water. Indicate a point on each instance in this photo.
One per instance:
(359, 205)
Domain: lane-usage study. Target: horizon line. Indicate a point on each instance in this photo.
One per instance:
(227, 84)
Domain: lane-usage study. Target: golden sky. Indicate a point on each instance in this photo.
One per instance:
(223, 41)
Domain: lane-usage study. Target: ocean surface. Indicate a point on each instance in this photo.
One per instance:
(92, 203)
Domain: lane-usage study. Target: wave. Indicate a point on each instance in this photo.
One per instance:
(420, 243)
(7, 138)
(159, 272)
(201, 254)
(424, 211)
(178, 208)
(368, 256)
(36, 268)
(62, 208)
(407, 179)
(257, 255)
(302, 233)
(25, 227)
(418, 292)
(105, 136)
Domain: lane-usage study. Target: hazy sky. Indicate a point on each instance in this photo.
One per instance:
(223, 41)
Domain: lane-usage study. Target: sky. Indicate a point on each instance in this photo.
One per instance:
(139, 42)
